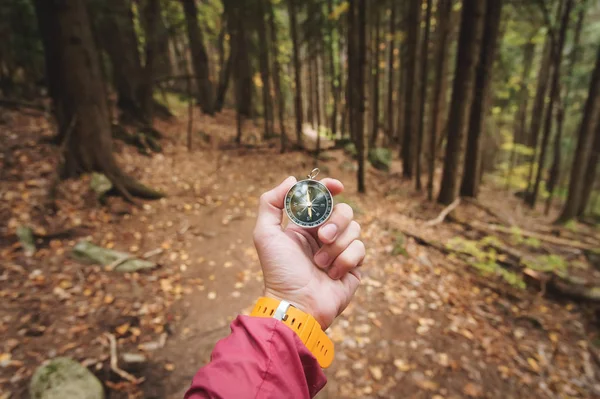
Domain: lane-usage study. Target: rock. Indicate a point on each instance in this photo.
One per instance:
(85, 251)
(27, 240)
(64, 378)
(350, 149)
(381, 158)
(100, 184)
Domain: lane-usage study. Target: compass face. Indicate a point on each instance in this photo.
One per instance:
(308, 203)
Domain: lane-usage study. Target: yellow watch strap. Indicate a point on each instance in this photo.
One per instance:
(303, 324)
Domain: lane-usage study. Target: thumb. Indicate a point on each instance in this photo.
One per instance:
(271, 204)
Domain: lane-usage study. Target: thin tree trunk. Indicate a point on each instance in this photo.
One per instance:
(81, 109)
(375, 75)
(554, 173)
(589, 178)
(335, 77)
(402, 99)
(317, 101)
(351, 41)
(199, 57)
(411, 106)
(483, 79)
(523, 101)
(359, 91)
(224, 77)
(556, 52)
(297, 70)
(423, 94)
(276, 77)
(263, 47)
(464, 79)
(151, 14)
(583, 151)
(390, 79)
(443, 29)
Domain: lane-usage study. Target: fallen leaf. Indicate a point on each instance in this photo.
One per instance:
(402, 365)
(212, 295)
(533, 364)
(108, 299)
(123, 328)
(473, 390)
(169, 366)
(376, 372)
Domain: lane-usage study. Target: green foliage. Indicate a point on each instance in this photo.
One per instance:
(548, 263)
(399, 243)
(380, 158)
(484, 259)
(353, 204)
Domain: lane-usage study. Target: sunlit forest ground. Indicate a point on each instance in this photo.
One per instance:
(443, 311)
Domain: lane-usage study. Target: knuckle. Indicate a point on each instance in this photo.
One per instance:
(264, 198)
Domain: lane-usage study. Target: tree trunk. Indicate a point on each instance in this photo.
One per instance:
(359, 91)
(263, 47)
(150, 14)
(402, 93)
(83, 116)
(554, 173)
(443, 31)
(411, 105)
(276, 77)
(375, 74)
(335, 77)
(590, 173)
(118, 38)
(556, 52)
(523, 100)
(389, 128)
(483, 79)
(297, 70)
(423, 94)
(582, 157)
(224, 77)
(351, 44)
(464, 79)
(199, 57)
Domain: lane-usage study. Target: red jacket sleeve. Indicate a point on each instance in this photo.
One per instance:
(261, 358)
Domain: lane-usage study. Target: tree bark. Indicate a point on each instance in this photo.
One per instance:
(276, 77)
(423, 94)
(556, 52)
(411, 105)
(292, 7)
(199, 57)
(83, 117)
(443, 30)
(589, 178)
(483, 79)
(389, 128)
(334, 76)
(265, 73)
(118, 38)
(375, 75)
(464, 79)
(554, 172)
(582, 157)
(359, 91)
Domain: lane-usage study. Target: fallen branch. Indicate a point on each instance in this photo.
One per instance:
(489, 211)
(114, 365)
(542, 237)
(149, 254)
(442, 216)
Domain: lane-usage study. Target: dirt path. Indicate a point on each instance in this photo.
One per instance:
(422, 325)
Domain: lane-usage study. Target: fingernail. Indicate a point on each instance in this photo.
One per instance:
(329, 232)
(322, 259)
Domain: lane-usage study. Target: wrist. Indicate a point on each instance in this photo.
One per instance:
(304, 306)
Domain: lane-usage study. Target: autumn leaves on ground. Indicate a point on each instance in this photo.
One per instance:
(423, 324)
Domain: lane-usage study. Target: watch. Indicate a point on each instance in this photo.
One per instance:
(303, 324)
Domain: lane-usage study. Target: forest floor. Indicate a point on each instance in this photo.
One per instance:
(424, 324)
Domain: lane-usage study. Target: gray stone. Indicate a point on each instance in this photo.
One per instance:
(381, 158)
(85, 251)
(64, 378)
(100, 184)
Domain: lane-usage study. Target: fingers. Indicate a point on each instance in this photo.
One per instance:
(348, 260)
(334, 186)
(338, 222)
(270, 207)
(328, 253)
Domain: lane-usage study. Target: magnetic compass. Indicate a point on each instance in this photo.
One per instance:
(309, 203)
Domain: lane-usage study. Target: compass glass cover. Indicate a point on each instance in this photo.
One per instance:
(308, 203)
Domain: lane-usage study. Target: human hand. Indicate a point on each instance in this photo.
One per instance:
(316, 270)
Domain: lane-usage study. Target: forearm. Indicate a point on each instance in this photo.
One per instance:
(261, 357)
